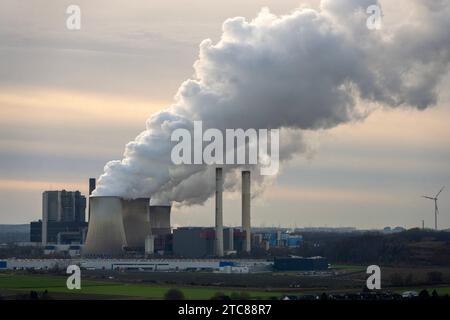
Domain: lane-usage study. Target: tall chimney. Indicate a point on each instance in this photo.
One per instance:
(246, 209)
(91, 189)
(219, 215)
(91, 185)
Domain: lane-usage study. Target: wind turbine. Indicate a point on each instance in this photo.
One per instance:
(436, 209)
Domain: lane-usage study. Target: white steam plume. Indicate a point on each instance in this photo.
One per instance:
(303, 71)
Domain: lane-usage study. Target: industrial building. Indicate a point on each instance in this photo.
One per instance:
(63, 219)
(63, 206)
(59, 232)
(275, 238)
(199, 242)
(207, 242)
(70, 250)
(213, 265)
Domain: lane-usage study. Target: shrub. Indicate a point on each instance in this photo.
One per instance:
(174, 294)
(220, 296)
(424, 294)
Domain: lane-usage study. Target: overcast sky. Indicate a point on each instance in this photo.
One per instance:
(71, 100)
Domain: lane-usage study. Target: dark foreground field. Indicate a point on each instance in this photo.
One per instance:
(154, 285)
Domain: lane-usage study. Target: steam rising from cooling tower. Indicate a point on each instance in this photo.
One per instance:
(307, 70)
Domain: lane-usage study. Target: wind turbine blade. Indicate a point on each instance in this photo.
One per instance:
(428, 197)
(440, 191)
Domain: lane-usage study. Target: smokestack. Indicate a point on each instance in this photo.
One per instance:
(219, 215)
(91, 185)
(91, 189)
(246, 209)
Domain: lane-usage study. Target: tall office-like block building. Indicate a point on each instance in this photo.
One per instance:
(63, 206)
(63, 218)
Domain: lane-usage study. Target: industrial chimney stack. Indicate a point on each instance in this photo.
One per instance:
(246, 209)
(219, 213)
(92, 184)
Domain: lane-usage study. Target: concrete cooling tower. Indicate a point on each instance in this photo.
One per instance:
(106, 233)
(136, 221)
(117, 223)
(160, 219)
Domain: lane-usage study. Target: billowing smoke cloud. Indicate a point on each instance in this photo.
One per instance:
(304, 71)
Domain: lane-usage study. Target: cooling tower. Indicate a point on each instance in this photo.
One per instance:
(159, 219)
(246, 209)
(136, 221)
(106, 234)
(219, 213)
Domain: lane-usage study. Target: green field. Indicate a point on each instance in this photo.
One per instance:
(440, 290)
(57, 284)
(18, 283)
(348, 267)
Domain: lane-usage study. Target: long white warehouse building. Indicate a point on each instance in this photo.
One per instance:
(252, 265)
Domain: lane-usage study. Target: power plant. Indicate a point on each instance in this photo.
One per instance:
(139, 228)
(117, 225)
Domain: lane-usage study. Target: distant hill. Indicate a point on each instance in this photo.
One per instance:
(14, 227)
(410, 247)
(14, 233)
